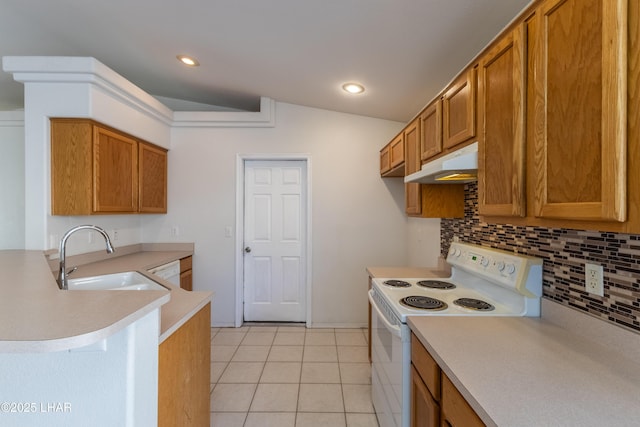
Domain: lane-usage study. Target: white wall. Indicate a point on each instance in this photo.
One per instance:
(357, 218)
(12, 180)
(423, 242)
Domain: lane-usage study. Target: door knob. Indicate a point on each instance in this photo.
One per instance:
(247, 249)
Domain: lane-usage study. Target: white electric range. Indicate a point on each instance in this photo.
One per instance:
(483, 282)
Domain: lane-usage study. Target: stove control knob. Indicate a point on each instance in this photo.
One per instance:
(484, 261)
(454, 252)
(500, 265)
(510, 268)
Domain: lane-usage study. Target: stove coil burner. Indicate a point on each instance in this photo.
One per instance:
(422, 302)
(397, 283)
(436, 284)
(474, 304)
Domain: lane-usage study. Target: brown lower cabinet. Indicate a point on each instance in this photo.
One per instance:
(434, 399)
(184, 367)
(186, 273)
(454, 410)
(425, 410)
(96, 169)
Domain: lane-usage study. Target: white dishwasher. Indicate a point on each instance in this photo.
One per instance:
(169, 272)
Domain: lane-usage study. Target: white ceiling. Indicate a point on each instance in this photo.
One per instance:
(296, 51)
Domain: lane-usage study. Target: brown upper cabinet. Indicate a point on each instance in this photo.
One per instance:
(501, 109)
(385, 160)
(396, 151)
(412, 194)
(152, 172)
(431, 130)
(459, 110)
(580, 140)
(115, 175)
(553, 103)
(392, 158)
(98, 170)
(421, 200)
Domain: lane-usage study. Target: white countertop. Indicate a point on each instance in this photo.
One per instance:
(36, 316)
(518, 372)
(441, 271)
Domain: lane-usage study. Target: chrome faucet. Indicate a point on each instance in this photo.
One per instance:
(62, 271)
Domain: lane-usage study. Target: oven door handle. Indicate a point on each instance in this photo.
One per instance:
(394, 329)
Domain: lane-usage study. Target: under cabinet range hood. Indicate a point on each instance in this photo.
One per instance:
(453, 168)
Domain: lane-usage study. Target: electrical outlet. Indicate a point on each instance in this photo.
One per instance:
(114, 234)
(175, 231)
(54, 241)
(594, 279)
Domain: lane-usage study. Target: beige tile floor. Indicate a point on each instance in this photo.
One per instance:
(290, 376)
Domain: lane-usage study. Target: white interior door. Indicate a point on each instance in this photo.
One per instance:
(274, 240)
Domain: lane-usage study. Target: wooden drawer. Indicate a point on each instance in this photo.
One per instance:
(456, 412)
(185, 264)
(426, 367)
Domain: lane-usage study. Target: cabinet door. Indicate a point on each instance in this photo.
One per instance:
(456, 411)
(396, 151)
(431, 130)
(115, 172)
(385, 160)
(459, 110)
(580, 110)
(425, 411)
(412, 194)
(184, 364)
(71, 167)
(426, 367)
(186, 273)
(501, 105)
(152, 173)
(186, 280)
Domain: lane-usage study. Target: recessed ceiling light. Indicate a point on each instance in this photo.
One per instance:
(188, 60)
(353, 88)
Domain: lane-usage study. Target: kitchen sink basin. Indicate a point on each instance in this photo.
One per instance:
(126, 281)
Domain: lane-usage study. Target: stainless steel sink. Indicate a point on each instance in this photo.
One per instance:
(126, 281)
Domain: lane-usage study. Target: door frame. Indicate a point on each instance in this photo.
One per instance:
(239, 243)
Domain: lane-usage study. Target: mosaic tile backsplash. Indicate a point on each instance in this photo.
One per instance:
(564, 252)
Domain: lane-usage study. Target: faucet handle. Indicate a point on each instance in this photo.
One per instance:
(71, 270)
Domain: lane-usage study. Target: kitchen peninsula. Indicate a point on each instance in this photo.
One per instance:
(95, 352)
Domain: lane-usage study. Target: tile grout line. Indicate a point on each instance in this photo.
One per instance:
(305, 350)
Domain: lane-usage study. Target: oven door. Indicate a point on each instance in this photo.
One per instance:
(391, 358)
